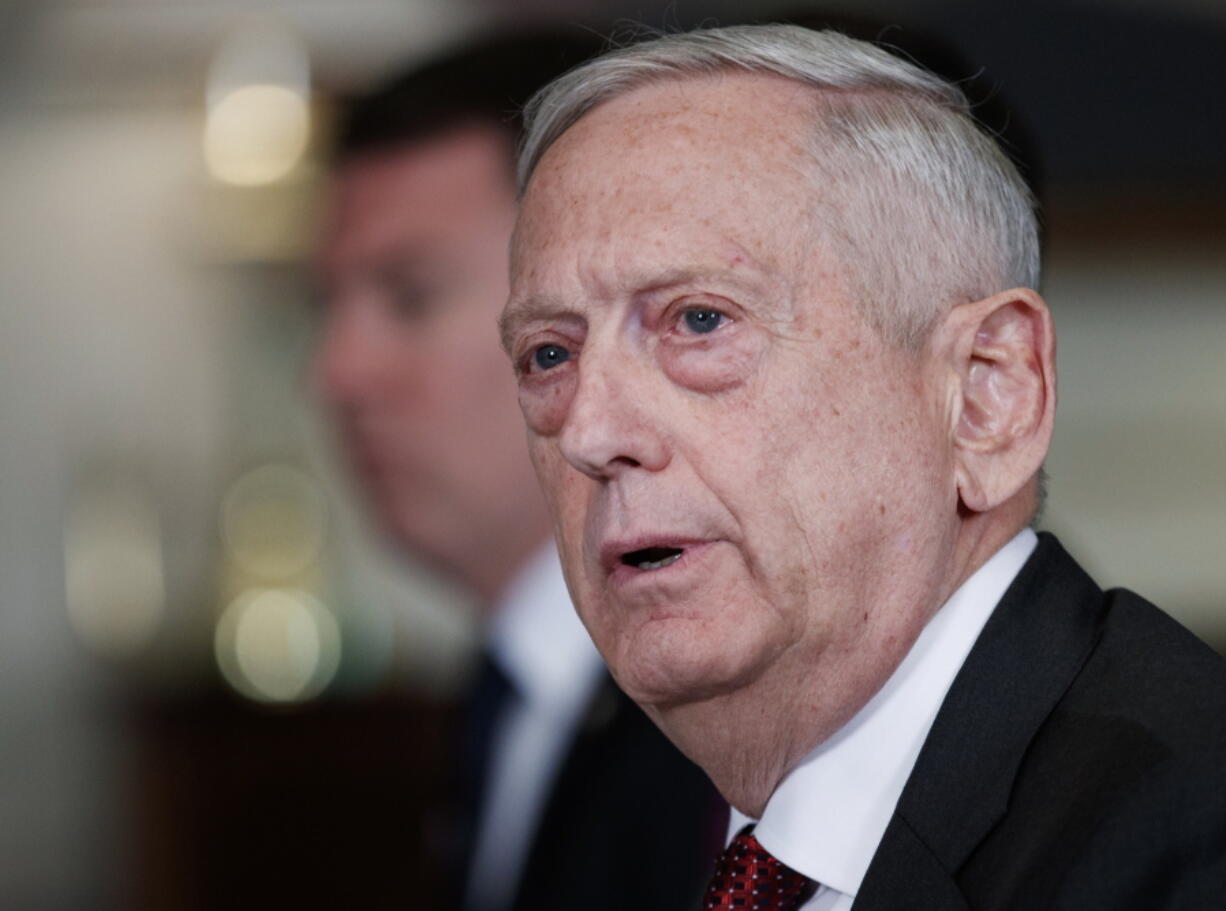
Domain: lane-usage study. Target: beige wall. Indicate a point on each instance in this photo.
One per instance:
(1138, 466)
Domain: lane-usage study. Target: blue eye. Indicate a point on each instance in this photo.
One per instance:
(549, 356)
(703, 320)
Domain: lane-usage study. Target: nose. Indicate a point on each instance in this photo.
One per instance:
(348, 366)
(609, 427)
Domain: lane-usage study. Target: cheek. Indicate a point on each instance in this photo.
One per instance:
(568, 496)
(545, 401)
(565, 489)
(491, 393)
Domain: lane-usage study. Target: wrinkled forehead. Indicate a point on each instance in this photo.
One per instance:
(732, 107)
(726, 157)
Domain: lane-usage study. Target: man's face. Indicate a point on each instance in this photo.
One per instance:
(747, 483)
(413, 266)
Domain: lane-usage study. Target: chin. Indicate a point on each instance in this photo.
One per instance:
(424, 543)
(666, 663)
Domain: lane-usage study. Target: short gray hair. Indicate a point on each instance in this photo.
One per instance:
(932, 211)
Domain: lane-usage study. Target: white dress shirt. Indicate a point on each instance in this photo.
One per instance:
(537, 640)
(828, 815)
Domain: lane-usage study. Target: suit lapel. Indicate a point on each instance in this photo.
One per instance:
(910, 877)
(1028, 654)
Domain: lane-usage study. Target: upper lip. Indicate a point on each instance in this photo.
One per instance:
(612, 551)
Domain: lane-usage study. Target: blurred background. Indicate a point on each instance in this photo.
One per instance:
(204, 652)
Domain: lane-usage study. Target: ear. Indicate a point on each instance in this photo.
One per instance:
(1004, 360)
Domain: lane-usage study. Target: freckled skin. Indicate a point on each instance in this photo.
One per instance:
(776, 438)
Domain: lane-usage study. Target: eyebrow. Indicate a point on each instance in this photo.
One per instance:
(693, 275)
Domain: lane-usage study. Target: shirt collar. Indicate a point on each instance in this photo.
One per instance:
(828, 815)
(537, 639)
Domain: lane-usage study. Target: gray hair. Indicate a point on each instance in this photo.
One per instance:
(931, 212)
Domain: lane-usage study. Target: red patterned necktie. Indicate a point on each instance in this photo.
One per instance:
(748, 877)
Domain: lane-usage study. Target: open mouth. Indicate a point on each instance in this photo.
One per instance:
(650, 558)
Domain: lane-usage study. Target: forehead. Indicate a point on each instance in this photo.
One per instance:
(421, 192)
(708, 165)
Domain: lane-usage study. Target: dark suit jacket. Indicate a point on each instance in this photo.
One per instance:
(630, 823)
(1078, 762)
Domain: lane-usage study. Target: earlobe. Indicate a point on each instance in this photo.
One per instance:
(1004, 351)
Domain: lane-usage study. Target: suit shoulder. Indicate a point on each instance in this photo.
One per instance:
(1148, 670)
(1117, 794)
(1161, 846)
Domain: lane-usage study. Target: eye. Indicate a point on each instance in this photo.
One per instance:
(547, 357)
(407, 298)
(703, 320)
(408, 305)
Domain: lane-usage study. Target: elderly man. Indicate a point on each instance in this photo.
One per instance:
(559, 767)
(788, 391)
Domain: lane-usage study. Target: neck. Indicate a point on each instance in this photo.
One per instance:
(747, 752)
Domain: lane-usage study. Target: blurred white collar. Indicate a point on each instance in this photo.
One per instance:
(538, 640)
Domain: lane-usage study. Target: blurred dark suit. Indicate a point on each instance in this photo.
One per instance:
(630, 822)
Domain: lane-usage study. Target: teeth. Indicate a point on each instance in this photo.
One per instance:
(659, 564)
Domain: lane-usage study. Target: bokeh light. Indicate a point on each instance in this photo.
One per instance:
(272, 522)
(259, 121)
(277, 645)
(256, 134)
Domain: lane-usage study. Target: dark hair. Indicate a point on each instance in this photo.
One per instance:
(484, 82)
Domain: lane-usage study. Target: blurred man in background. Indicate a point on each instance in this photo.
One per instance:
(558, 767)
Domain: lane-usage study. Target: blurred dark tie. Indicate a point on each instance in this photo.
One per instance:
(491, 696)
(749, 877)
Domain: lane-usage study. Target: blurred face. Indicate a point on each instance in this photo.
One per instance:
(751, 490)
(413, 265)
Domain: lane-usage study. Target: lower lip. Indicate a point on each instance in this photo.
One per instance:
(631, 577)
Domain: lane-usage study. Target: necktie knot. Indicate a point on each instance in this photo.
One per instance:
(750, 878)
